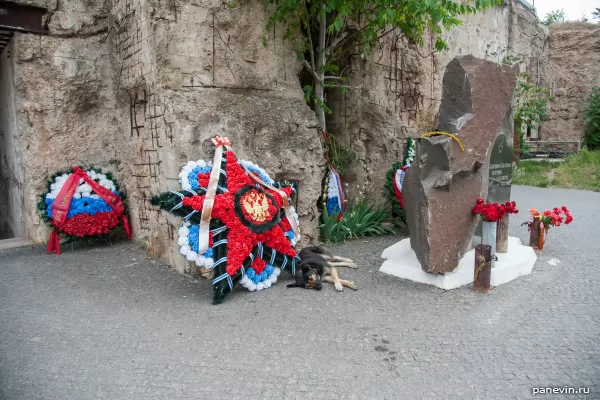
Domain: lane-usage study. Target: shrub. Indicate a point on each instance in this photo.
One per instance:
(360, 219)
(591, 120)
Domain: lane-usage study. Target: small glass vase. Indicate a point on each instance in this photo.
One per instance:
(488, 236)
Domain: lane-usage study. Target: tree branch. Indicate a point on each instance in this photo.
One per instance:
(312, 71)
(310, 42)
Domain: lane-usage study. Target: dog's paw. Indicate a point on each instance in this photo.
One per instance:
(352, 285)
(339, 287)
(354, 265)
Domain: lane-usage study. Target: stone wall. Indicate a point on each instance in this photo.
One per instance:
(11, 171)
(396, 92)
(570, 68)
(189, 70)
(139, 87)
(67, 114)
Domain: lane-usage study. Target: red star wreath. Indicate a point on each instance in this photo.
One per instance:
(248, 223)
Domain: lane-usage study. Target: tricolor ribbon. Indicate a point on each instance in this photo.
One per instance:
(340, 195)
(62, 203)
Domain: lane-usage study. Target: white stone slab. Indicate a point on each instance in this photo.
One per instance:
(401, 261)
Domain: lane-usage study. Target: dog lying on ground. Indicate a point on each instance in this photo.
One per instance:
(317, 266)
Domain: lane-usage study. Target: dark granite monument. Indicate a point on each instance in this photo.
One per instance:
(444, 182)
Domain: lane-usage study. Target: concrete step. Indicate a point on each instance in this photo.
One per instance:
(15, 242)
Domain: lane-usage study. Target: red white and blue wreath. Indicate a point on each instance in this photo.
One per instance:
(395, 180)
(82, 204)
(334, 194)
(237, 221)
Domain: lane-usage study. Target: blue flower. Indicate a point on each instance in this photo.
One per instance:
(333, 206)
(83, 205)
(193, 176)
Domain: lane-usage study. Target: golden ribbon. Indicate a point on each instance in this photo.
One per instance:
(211, 191)
(453, 136)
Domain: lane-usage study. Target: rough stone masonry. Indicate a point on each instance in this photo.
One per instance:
(444, 182)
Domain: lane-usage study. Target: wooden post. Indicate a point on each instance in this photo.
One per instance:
(534, 233)
(483, 268)
(502, 235)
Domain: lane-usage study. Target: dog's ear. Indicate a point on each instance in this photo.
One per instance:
(304, 266)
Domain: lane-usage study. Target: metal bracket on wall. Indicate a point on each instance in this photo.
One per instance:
(20, 18)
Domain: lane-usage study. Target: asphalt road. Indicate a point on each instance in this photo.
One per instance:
(108, 322)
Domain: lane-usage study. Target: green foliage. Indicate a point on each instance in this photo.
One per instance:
(323, 29)
(576, 171)
(531, 108)
(338, 153)
(534, 173)
(579, 171)
(596, 14)
(554, 16)
(360, 219)
(364, 21)
(591, 120)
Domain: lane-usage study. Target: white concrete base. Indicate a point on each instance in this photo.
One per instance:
(401, 261)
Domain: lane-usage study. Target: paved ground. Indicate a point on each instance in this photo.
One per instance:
(109, 323)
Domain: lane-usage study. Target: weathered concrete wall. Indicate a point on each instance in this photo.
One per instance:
(396, 93)
(11, 168)
(67, 113)
(139, 87)
(570, 67)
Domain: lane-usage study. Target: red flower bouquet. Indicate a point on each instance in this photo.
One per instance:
(541, 222)
(490, 212)
(552, 218)
(510, 207)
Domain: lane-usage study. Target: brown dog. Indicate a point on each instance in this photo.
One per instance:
(317, 265)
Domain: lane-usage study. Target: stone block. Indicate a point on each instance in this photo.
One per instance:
(444, 181)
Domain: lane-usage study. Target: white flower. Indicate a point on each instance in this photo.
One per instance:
(208, 262)
(185, 250)
(182, 241)
(191, 256)
(183, 231)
